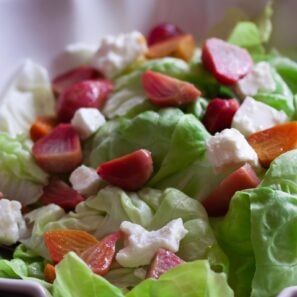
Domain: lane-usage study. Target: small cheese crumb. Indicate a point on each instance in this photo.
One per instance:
(12, 223)
(86, 121)
(85, 180)
(229, 149)
(254, 116)
(115, 53)
(141, 245)
(259, 79)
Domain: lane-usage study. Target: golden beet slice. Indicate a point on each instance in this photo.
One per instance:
(182, 47)
(272, 142)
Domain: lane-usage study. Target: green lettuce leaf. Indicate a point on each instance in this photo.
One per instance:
(18, 269)
(247, 35)
(28, 96)
(258, 232)
(193, 279)
(281, 98)
(75, 279)
(287, 69)
(20, 178)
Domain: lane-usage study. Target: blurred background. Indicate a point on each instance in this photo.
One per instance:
(40, 29)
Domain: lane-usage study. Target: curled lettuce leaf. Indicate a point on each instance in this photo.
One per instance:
(29, 96)
(20, 178)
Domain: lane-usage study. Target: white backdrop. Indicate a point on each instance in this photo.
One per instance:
(40, 29)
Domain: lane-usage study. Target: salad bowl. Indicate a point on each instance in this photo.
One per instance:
(62, 36)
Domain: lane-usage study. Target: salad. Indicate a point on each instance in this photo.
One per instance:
(156, 167)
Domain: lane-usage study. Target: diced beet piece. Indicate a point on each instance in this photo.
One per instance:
(59, 151)
(100, 256)
(217, 202)
(163, 90)
(227, 63)
(162, 262)
(163, 32)
(60, 193)
(129, 172)
(73, 76)
(88, 93)
(219, 114)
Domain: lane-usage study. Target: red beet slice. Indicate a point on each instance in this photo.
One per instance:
(162, 262)
(217, 202)
(88, 93)
(227, 63)
(69, 78)
(129, 172)
(60, 193)
(59, 151)
(163, 32)
(100, 256)
(219, 114)
(163, 90)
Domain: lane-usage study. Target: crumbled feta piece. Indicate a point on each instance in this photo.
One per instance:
(229, 149)
(12, 223)
(259, 79)
(253, 116)
(115, 53)
(86, 121)
(141, 245)
(85, 180)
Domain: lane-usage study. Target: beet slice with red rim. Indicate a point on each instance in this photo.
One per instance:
(162, 262)
(88, 93)
(64, 80)
(129, 172)
(226, 62)
(59, 151)
(60, 193)
(217, 202)
(163, 90)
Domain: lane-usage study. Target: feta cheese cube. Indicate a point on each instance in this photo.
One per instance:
(259, 79)
(115, 53)
(85, 180)
(253, 116)
(12, 223)
(86, 121)
(229, 149)
(141, 245)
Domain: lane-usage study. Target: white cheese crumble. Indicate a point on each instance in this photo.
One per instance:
(12, 223)
(253, 116)
(229, 149)
(141, 245)
(85, 180)
(86, 121)
(115, 53)
(259, 79)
